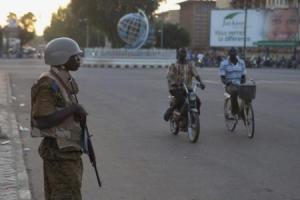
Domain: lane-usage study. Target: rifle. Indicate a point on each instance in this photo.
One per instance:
(86, 142)
(87, 145)
(88, 149)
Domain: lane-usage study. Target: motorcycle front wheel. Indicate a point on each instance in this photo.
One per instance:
(174, 126)
(194, 127)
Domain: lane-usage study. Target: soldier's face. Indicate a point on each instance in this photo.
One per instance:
(73, 63)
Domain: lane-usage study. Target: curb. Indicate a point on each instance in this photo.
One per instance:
(108, 66)
(23, 189)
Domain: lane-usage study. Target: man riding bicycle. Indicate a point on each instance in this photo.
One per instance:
(233, 73)
(179, 73)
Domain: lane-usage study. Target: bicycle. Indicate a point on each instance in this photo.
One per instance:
(246, 93)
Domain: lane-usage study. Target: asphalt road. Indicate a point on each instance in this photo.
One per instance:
(140, 160)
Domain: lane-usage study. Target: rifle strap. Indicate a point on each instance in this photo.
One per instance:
(63, 83)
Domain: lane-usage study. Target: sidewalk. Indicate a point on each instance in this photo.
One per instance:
(14, 183)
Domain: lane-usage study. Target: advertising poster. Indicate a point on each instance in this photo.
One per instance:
(264, 27)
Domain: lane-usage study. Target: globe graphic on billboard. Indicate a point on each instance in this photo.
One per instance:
(133, 29)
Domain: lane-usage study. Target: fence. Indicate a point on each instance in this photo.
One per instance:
(128, 57)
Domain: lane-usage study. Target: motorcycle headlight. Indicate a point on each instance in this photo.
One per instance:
(192, 96)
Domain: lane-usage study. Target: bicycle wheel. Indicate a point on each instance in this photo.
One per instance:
(194, 130)
(249, 120)
(230, 120)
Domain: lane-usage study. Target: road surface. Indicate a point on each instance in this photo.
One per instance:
(140, 160)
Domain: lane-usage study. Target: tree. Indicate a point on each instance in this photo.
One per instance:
(27, 24)
(58, 25)
(105, 14)
(12, 18)
(100, 17)
(173, 36)
(1, 40)
(65, 24)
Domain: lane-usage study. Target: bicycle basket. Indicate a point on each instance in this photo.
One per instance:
(247, 92)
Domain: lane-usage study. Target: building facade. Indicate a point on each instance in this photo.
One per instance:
(171, 16)
(195, 19)
(263, 3)
(11, 42)
(282, 3)
(222, 4)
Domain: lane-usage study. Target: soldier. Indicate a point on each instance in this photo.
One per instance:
(56, 116)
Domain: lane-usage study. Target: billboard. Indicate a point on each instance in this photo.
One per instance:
(264, 27)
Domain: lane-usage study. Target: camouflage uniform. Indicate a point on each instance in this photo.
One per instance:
(60, 148)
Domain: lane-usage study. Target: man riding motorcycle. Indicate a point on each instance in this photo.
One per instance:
(179, 73)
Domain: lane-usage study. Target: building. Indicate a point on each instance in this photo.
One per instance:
(262, 3)
(265, 4)
(195, 19)
(171, 16)
(282, 3)
(222, 4)
(11, 43)
(248, 3)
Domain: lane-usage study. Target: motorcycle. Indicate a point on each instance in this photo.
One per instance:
(187, 119)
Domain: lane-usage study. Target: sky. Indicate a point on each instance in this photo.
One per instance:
(169, 5)
(43, 9)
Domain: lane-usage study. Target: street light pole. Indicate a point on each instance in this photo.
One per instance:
(161, 34)
(245, 29)
(87, 33)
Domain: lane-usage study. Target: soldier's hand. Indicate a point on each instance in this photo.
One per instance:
(80, 114)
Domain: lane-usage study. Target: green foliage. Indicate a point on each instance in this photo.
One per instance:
(101, 17)
(58, 27)
(173, 36)
(11, 17)
(1, 41)
(27, 23)
(65, 24)
(105, 14)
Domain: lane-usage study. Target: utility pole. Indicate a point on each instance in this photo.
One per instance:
(161, 34)
(87, 31)
(161, 30)
(245, 29)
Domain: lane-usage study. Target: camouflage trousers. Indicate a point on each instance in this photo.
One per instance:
(62, 179)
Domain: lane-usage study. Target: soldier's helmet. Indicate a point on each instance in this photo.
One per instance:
(59, 50)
